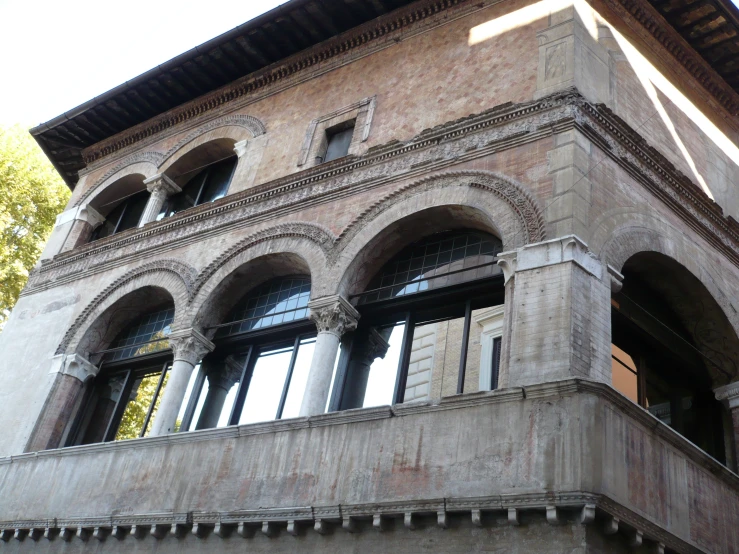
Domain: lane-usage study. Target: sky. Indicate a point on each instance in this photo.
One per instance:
(57, 54)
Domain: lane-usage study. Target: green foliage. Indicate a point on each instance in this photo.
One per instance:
(31, 195)
(135, 414)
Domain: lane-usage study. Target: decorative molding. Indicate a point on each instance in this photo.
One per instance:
(248, 122)
(310, 231)
(333, 314)
(729, 394)
(189, 345)
(436, 149)
(184, 272)
(154, 158)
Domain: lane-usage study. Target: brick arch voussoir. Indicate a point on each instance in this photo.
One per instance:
(515, 195)
(175, 277)
(253, 126)
(153, 158)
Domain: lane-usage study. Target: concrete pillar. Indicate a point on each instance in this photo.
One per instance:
(222, 375)
(728, 395)
(70, 372)
(558, 313)
(189, 347)
(333, 316)
(161, 187)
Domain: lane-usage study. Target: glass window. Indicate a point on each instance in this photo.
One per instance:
(207, 185)
(278, 301)
(126, 215)
(146, 335)
(339, 141)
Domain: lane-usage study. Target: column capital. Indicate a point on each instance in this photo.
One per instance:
(241, 147)
(189, 345)
(73, 365)
(224, 373)
(728, 394)
(333, 314)
(160, 183)
(569, 248)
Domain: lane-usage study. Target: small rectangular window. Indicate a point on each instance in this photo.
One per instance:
(339, 138)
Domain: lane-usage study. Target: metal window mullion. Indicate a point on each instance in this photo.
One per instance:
(154, 399)
(120, 218)
(206, 174)
(288, 377)
(120, 406)
(243, 387)
(404, 359)
(465, 341)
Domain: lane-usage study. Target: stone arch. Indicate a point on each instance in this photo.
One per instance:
(169, 277)
(289, 248)
(232, 128)
(143, 163)
(694, 289)
(474, 199)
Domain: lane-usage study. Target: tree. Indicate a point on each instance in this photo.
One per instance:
(31, 195)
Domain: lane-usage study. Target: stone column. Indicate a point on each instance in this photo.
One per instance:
(70, 374)
(161, 187)
(558, 314)
(728, 395)
(222, 375)
(333, 316)
(189, 347)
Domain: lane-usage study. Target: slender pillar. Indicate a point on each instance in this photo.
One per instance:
(71, 372)
(333, 316)
(189, 347)
(222, 375)
(728, 395)
(161, 187)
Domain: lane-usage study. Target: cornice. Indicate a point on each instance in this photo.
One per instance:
(442, 147)
(653, 25)
(356, 43)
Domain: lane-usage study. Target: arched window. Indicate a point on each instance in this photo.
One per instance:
(429, 324)
(656, 361)
(123, 399)
(259, 368)
(200, 186)
(122, 215)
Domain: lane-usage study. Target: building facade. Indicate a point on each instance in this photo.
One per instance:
(433, 275)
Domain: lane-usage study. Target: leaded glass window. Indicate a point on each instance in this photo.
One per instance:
(144, 336)
(277, 301)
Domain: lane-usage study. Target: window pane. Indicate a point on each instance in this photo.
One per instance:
(375, 376)
(138, 335)
(299, 378)
(338, 144)
(186, 400)
(624, 377)
(134, 209)
(139, 402)
(265, 387)
(421, 364)
(217, 181)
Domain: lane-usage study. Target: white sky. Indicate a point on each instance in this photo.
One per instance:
(57, 54)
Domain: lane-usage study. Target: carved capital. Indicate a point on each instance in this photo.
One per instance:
(333, 314)
(161, 185)
(507, 262)
(616, 279)
(88, 214)
(241, 147)
(189, 345)
(728, 394)
(73, 365)
(223, 373)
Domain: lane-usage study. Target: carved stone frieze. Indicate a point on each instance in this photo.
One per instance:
(333, 314)
(431, 151)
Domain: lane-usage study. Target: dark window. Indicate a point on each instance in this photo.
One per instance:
(338, 141)
(207, 185)
(259, 369)
(655, 364)
(125, 215)
(123, 399)
(497, 342)
(414, 334)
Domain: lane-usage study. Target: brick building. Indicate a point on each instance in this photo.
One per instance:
(392, 275)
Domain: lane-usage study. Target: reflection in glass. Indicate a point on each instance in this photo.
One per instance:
(208, 185)
(265, 386)
(140, 337)
(375, 368)
(299, 378)
(623, 369)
